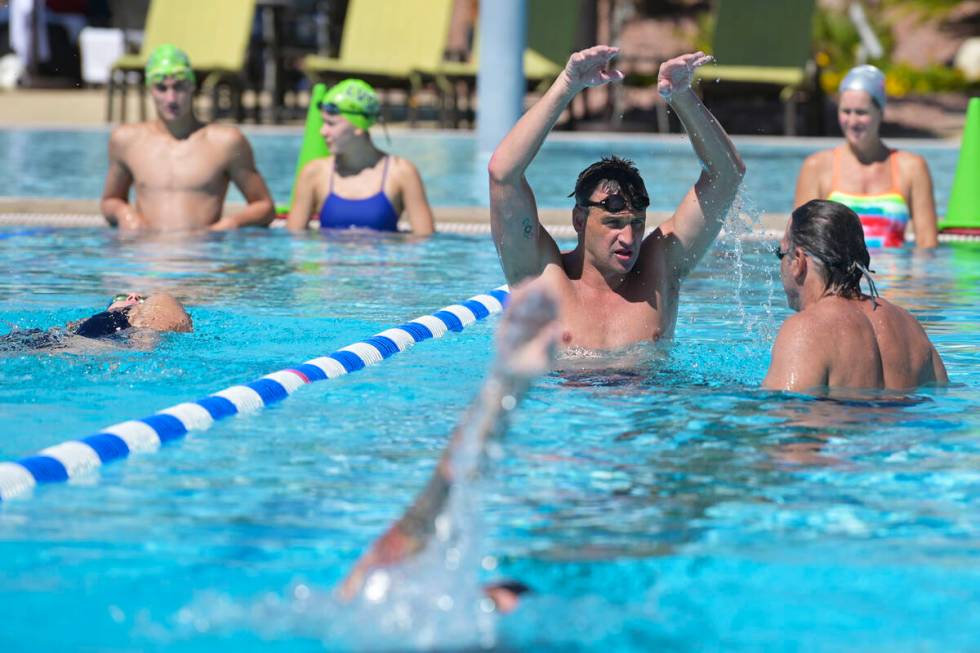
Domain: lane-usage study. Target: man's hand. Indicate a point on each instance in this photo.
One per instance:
(224, 224)
(676, 74)
(527, 339)
(129, 219)
(591, 67)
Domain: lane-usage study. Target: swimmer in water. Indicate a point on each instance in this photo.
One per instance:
(359, 185)
(180, 166)
(616, 287)
(527, 341)
(840, 337)
(887, 188)
(127, 313)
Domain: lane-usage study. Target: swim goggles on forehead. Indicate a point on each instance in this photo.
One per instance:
(333, 109)
(616, 203)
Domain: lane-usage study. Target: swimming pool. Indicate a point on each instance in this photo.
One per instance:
(72, 164)
(673, 507)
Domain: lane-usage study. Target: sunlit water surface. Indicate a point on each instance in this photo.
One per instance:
(669, 505)
(72, 164)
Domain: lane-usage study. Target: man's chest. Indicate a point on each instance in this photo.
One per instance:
(606, 322)
(181, 166)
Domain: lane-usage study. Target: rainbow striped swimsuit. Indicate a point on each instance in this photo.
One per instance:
(883, 215)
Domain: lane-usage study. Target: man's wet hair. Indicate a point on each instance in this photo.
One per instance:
(832, 233)
(612, 168)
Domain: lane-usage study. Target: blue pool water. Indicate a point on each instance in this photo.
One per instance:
(71, 164)
(671, 506)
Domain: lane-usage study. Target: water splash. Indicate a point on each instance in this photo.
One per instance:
(433, 600)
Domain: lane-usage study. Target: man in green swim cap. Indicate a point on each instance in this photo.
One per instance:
(180, 166)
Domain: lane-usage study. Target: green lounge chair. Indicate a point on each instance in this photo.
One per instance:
(213, 33)
(765, 42)
(386, 43)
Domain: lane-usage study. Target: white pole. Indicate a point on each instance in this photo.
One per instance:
(500, 80)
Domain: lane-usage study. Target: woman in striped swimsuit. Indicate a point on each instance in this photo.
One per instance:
(887, 188)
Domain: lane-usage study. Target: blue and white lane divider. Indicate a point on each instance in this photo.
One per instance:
(70, 459)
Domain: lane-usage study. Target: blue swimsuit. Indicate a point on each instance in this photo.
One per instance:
(375, 212)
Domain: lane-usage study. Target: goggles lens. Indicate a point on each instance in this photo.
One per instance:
(332, 109)
(128, 298)
(617, 204)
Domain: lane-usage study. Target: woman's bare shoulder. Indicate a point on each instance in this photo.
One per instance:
(911, 163)
(819, 161)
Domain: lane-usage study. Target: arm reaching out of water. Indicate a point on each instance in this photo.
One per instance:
(526, 344)
(525, 248)
(698, 219)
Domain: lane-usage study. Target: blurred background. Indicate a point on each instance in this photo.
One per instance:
(79, 61)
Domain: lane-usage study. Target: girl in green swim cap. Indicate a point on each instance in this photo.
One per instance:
(358, 185)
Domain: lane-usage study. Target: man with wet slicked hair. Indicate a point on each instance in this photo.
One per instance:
(616, 287)
(840, 337)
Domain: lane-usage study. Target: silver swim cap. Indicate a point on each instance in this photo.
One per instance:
(865, 78)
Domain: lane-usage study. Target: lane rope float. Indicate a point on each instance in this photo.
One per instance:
(69, 459)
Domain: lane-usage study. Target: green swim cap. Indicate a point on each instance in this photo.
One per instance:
(355, 100)
(168, 61)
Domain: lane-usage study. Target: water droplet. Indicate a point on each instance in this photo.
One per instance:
(301, 592)
(445, 602)
(116, 614)
(376, 587)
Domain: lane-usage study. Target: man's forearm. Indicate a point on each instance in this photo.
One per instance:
(258, 213)
(711, 144)
(486, 418)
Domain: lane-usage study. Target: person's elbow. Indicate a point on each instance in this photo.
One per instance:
(734, 173)
(927, 241)
(501, 171)
(108, 206)
(265, 210)
(425, 229)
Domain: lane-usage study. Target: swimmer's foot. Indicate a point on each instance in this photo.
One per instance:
(527, 339)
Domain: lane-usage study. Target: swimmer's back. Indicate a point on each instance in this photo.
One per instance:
(908, 357)
(844, 339)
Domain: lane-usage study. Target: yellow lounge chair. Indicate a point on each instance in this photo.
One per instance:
(386, 43)
(767, 43)
(213, 33)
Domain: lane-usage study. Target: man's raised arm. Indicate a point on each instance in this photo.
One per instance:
(698, 219)
(525, 248)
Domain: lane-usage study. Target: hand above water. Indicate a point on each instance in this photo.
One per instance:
(590, 67)
(676, 74)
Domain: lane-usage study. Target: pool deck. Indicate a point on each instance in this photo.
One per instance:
(65, 213)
